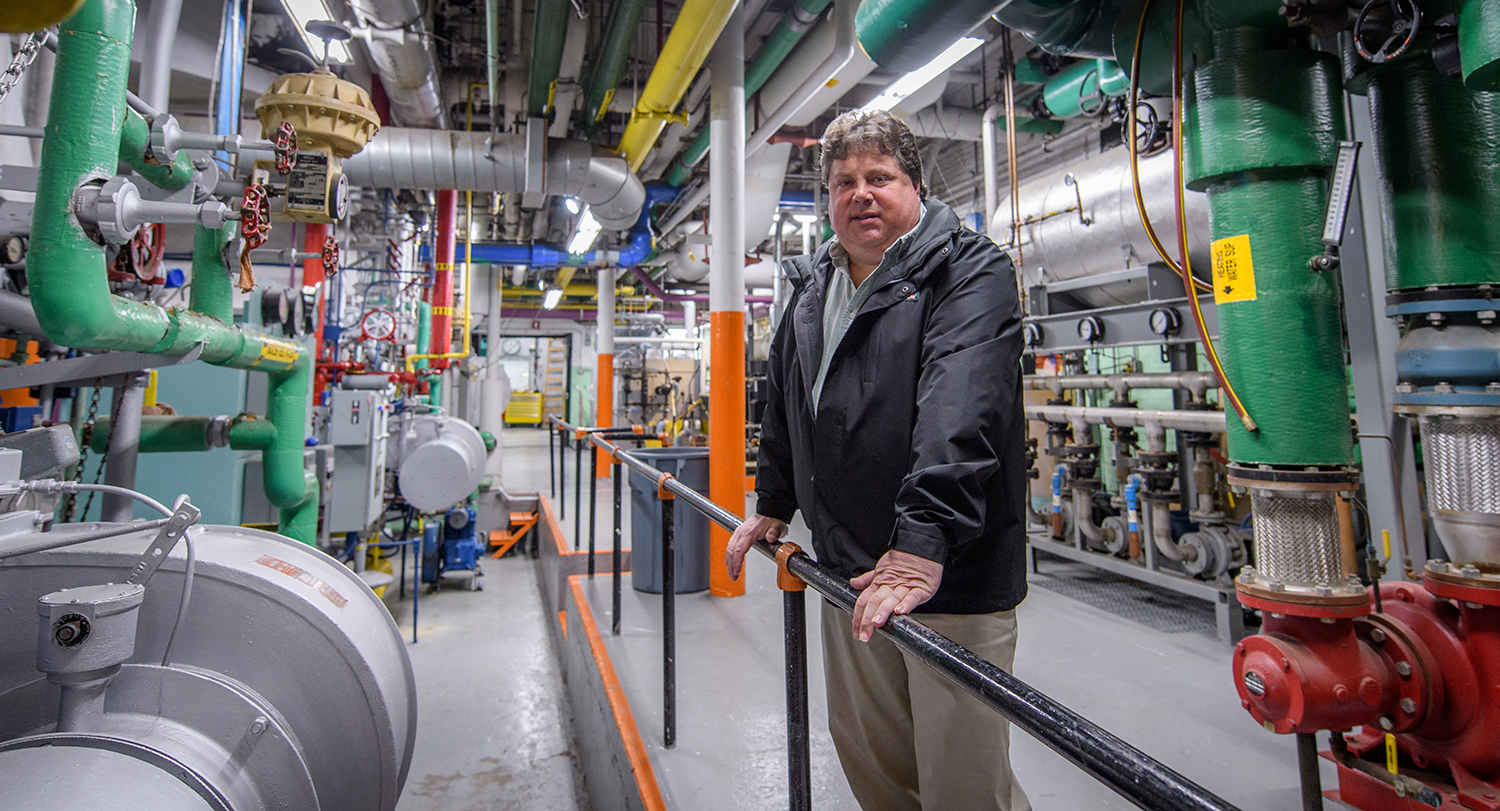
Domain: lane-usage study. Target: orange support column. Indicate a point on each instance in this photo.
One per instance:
(604, 394)
(726, 438)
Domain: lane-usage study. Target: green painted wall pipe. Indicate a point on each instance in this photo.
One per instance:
(300, 522)
(281, 463)
(1065, 94)
(69, 291)
(786, 35)
(249, 432)
(435, 389)
(1437, 144)
(906, 34)
(211, 293)
(135, 141)
(606, 71)
(424, 330)
(1263, 121)
(1479, 43)
(159, 434)
(548, 31)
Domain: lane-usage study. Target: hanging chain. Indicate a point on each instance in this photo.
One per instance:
(83, 455)
(114, 420)
(30, 47)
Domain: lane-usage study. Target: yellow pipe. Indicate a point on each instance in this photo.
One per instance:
(697, 28)
(579, 290)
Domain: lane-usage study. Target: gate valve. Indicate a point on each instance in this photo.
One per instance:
(1393, 23)
(114, 212)
(330, 256)
(255, 216)
(285, 141)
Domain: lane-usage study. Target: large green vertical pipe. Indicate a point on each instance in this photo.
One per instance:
(1438, 147)
(548, 31)
(1263, 123)
(211, 293)
(1479, 43)
(135, 140)
(424, 331)
(609, 68)
(783, 38)
(282, 474)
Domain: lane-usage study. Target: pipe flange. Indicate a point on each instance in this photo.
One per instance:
(1116, 535)
(1160, 496)
(1340, 600)
(1157, 459)
(1304, 479)
(1091, 485)
(1080, 450)
(1477, 583)
(105, 211)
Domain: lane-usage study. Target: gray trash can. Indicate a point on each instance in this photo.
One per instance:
(690, 465)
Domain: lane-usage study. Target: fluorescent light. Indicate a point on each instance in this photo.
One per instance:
(551, 298)
(571, 204)
(588, 231)
(303, 12)
(917, 79)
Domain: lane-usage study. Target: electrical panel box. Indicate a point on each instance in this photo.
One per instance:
(357, 431)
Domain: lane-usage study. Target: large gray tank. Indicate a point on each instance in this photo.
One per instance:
(1061, 248)
(289, 686)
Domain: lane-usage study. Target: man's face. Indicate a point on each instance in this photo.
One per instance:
(872, 202)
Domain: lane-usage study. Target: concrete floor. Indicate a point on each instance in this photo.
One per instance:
(495, 733)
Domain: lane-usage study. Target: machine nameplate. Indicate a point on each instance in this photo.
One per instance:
(305, 577)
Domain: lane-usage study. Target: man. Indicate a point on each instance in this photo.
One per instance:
(894, 423)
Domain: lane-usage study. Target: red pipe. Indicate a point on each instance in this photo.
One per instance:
(442, 276)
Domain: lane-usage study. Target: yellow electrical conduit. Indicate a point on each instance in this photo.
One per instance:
(1185, 267)
(697, 27)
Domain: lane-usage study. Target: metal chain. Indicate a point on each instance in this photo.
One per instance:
(30, 47)
(83, 455)
(114, 420)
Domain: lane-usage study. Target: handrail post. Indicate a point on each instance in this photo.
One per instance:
(668, 610)
(593, 504)
(552, 457)
(619, 473)
(794, 617)
(578, 444)
(562, 473)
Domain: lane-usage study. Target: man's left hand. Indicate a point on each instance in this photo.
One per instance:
(899, 583)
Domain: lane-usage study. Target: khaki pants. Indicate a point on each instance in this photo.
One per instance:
(910, 740)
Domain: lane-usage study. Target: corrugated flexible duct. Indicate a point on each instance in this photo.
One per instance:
(476, 161)
(406, 66)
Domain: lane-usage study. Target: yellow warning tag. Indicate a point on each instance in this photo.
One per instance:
(1390, 753)
(1234, 272)
(274, 352)
(831, 83)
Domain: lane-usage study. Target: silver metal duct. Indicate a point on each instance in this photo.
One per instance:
(476, 161)
(1462, 456)
(406, 64)
(1058, 245)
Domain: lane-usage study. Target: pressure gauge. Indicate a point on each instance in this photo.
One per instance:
(1165, 322)
(1091, 329)
(510, 346)
(1032, 334)
(378, 325)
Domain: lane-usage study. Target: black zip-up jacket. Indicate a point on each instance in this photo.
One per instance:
(918, 440)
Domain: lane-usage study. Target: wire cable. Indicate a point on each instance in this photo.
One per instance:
(1182, 243)
(51, 486)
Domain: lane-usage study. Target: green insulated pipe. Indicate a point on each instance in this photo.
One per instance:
(69, 289)
(548, 30)
(135, 140)
(607, 70)
(1438, 147)
(183, 434)
(210, 292)
(1263, 123)
(424, 330)
(283, 475)
(906, 34)
(1479, 43)
(1066, 94)
(785, 37)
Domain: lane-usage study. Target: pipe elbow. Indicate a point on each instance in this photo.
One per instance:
(613, 192)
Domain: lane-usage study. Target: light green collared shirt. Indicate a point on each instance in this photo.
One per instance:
(844, 299)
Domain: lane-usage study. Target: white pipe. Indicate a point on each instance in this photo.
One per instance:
(991, 161)
(156, 65)
(843, 50)
(1209, 422)
(726, 176)
(606, 312)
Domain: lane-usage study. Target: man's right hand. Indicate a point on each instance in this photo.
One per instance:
(756, 527)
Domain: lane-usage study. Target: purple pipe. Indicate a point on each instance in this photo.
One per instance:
(665, 296)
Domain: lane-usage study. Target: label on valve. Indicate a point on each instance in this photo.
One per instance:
(1234, 271)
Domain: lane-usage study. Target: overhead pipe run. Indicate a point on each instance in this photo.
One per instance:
(1195, 383)
(844, 45)
(549, 30)
(698, 26)
(407, 66)
(480, 162)
(609, 66)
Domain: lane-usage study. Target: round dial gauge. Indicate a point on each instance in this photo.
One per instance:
(378, 325)
(1165, 321)
(510, 346)
(1091, 329)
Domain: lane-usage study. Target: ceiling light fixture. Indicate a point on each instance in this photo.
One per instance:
(588, 231)
(303, 12)
(551, 298)
(917, 79)
(571, 204)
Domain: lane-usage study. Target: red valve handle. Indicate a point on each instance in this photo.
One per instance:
(255, 216)
(286, 147)
(330, 256)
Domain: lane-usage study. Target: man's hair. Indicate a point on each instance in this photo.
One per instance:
(874, 132)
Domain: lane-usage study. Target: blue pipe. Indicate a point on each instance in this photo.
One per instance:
(1131, 504)
(1057, 482)
(231, 74)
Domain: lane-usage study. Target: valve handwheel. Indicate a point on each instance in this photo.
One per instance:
(146, 249)
(286, 147)
(1147, 127)
(1392, 23)
(255, 224)
(330, 256)
(378, 325)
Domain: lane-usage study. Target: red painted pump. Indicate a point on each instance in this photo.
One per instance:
(1421, 673)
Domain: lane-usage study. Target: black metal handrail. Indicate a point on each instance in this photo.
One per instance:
(1131, 773)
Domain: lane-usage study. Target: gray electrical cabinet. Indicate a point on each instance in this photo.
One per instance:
(357, 432)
